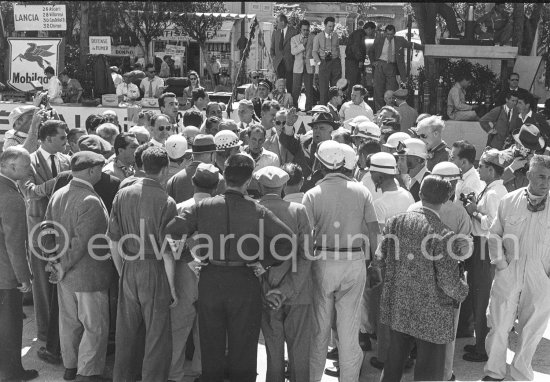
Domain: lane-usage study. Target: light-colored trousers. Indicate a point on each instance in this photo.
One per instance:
(450, 350)
(466, 115)
(337, 286)
(521, 293)
(83, 329)
(184, 319)
(290, 324)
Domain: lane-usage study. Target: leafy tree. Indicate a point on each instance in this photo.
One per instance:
(294, 14)
(201, 28)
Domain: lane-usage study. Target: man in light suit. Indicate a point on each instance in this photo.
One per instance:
(497, 122)
(283, 60)
(388, 57)
(301, 47)
(46, 163)
(326, 51)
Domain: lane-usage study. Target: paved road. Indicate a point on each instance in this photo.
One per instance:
(465, 371)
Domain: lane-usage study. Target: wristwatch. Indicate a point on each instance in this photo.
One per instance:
(475, 214)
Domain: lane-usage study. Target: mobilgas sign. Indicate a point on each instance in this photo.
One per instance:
(29, 58)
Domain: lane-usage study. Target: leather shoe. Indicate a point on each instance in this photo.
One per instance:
(333, 371)
(453, 378)
(475, 357)
(48, 356)
(470, 349)
(376, 363)
(333, 354)
(69, 374)
(487, 378)
(409, 363)
(364, 342)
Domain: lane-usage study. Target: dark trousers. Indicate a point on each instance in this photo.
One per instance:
(11, 332)
(297, 88)
(384, 79)
(353, 74)
(329, 73)
(285, 71)
(480, 279)
(52, 341)
(230, 309)
(143, 301)
(430, 359)
(41, 295)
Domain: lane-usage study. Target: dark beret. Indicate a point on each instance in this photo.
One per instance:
(95, 144)
(83, 160)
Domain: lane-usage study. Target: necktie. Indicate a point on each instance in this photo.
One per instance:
(509, 114)
(54, 169)
(282, 40)
(150, 89)
(390, 51)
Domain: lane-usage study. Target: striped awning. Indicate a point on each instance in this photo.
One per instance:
(231, 16)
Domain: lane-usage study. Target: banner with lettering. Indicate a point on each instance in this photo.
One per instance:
(28, 59)
(39, 17)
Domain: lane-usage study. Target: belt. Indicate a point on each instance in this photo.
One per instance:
(332, 249)
(228, 263)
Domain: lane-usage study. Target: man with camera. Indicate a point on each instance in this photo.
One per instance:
(482, 208)
(326, 51)
(463, 154)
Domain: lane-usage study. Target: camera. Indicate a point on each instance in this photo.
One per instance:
(45, 101)
(468, 198)
(521, 153)
(328, 56)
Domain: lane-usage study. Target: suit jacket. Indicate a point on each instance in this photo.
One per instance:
(38, 187)
(78, 209)
(284, 55)
(536, 119)
(408, 116)
(356, 48)
(258, 107)
(302, 54)
(106, 188)
(295, 285)
(420, 293)
(415, 189)
(14, 268)
(499, 119)
(501, 97)
(321, 44)
(180, 186)
(302, 148)
(399, 45)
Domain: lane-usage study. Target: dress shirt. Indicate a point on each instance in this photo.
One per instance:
(523, 119)
(285, 29)
(54, 88)
(46, 155)
(507, 110)
(156, 81)
(470, 182)
(384, 55)
(488, 206)
(418, 177)
(350, 110)
(296, 197)
(130, 90)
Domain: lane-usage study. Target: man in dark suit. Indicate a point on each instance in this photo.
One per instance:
(283, 60)
(37, 187)
(15, 276)
(497, 122)
(388, 57)
(527, 115)
(513, 86)
(264, 89)
(414, 152)
(356, 52)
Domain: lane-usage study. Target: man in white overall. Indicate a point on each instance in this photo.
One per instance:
(519, 246)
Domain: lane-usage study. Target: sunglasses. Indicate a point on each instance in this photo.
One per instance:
(153, 72)
(279, 123)
(423, 136)
(168, 128)
(193, 78)
(256, 77)
(514, 79)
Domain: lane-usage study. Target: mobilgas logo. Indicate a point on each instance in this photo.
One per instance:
(29, 58)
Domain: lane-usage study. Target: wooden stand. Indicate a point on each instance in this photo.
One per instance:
(434, 53)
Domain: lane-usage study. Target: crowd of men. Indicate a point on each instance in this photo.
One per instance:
(365, 227)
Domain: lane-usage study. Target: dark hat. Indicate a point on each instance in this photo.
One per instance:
(203, 143)
(95, 144)
(529, 136)
(324, 118)
(206, 176)
(83, 160)
(266, 83)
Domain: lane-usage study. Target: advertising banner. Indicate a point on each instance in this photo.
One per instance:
(100, 44)
(39, 17)
(28, 59)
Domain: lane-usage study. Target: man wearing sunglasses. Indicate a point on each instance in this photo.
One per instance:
(429, 131)
(251, 92)
(161, 129)
(152, 86)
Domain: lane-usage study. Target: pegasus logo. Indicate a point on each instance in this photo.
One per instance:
(36, 53)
